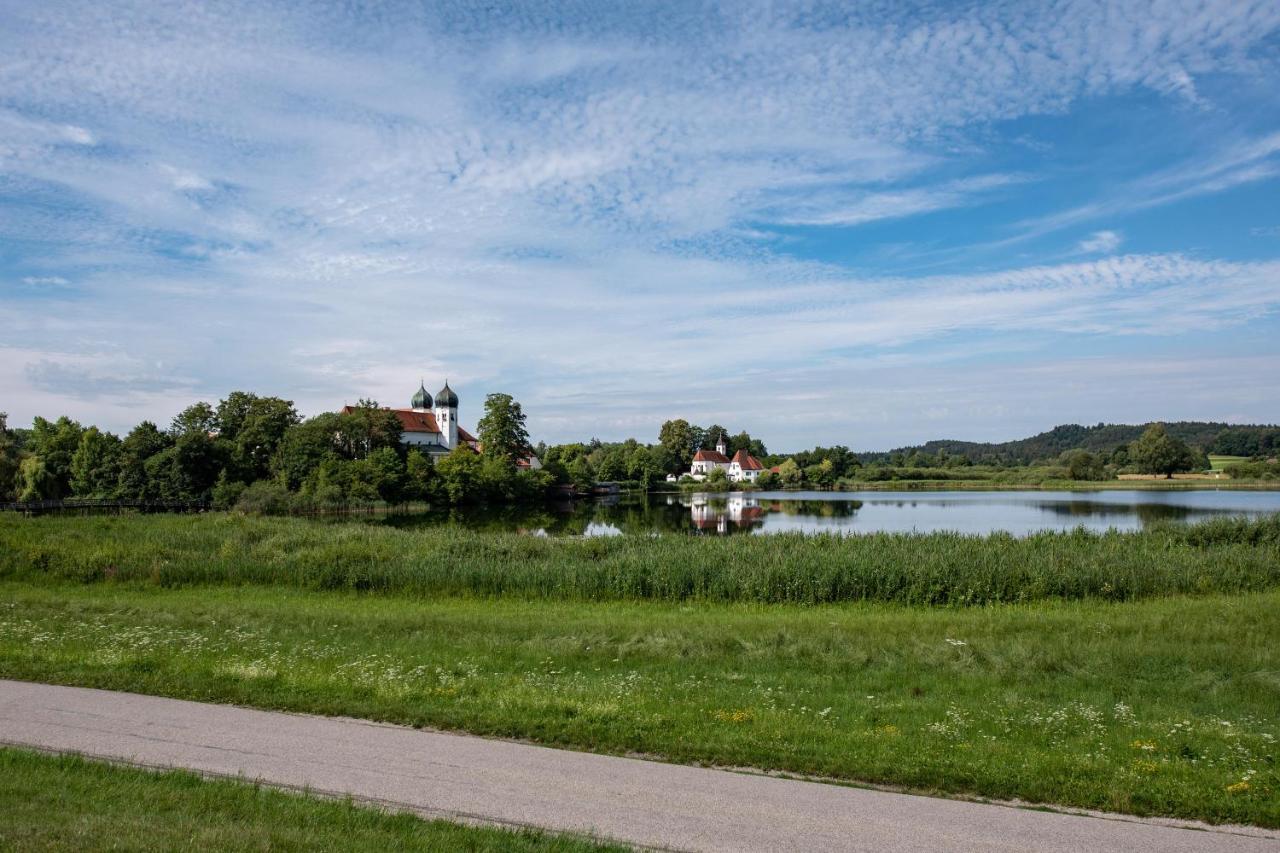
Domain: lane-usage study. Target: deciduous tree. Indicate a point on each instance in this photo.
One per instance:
(503, 434)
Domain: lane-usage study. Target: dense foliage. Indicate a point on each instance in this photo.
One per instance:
(258, 454)
(1101, 439)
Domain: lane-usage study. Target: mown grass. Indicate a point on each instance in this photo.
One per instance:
(1218, 462)
(68, 803)
(1163, 706)
(1220, 556)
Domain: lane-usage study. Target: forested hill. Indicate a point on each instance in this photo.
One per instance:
(1229, 439)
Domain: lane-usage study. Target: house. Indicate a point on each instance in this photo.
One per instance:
(743, 513)
(430, 424)
(742, 468)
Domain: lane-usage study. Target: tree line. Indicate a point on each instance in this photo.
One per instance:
(258, 452)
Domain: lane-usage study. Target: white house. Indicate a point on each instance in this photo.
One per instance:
(743, 467)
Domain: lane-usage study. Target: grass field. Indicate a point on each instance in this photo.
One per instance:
(1222, 556)
(1218, 463)
(67, 803)
(1163, 706)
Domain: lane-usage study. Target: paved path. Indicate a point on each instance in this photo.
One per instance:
(641, 802)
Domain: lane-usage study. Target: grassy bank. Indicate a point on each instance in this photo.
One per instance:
(1164, 706)
(1221, 556)
(68, 803)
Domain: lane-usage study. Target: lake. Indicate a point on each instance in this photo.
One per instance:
(1017, 512)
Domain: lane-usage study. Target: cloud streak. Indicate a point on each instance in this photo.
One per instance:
(589, 210)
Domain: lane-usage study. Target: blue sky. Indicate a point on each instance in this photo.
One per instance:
(869, 224)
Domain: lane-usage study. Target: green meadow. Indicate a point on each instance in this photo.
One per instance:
(67, 803)
(1137, 673)
(1218, 462)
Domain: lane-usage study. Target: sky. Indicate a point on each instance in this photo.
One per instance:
(868, 224)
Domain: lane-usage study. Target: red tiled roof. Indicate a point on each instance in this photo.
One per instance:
(412, 420)
(711, 456)
(747, 462)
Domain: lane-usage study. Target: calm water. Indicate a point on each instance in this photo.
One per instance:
(1019, 513)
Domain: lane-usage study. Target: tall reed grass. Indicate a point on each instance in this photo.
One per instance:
(1220, 556)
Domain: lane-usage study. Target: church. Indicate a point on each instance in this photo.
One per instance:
(430, 424)
(742, 468)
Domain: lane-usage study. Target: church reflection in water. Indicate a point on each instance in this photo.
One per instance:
(726, 515)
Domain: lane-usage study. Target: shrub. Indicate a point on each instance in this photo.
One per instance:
(265, 497)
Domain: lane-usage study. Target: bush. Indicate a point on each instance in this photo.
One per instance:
(265, 497)
(226, 493)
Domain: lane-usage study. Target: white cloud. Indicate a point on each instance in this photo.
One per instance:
(1101, 242)
(325, 202)
(45, 280)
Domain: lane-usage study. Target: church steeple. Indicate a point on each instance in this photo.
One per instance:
(446, 412)
(421, 398)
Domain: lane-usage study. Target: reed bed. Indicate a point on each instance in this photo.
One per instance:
(1219, 556)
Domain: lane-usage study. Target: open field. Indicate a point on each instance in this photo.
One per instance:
(1164, 706)
(67, 803)
(1218, 462)
(1222, 556)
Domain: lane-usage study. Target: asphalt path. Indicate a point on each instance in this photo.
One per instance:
(644, 803)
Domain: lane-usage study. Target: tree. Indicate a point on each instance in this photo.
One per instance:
(55, 443)
(143, 441)
(713, 434)
(822, 474)
(1083, 465)
(743, 441)
(460, 474)
(679, 439)
(35, 481)
(503, 434)
(789, 473)
(9, 460)
(366, 428)
(196, 418)
(581, 475)
(612, 464)
(379, 476)
(95, 466)
(303, 447)
(253, 428)
(420, 476)
(187, 471)
(1157, 452)
(717, 479)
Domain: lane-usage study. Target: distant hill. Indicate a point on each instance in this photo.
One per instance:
(1228, 439)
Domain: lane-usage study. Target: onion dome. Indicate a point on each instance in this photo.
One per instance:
(421, 399)
(446, 399)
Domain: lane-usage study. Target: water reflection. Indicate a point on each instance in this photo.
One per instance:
(1019, 513)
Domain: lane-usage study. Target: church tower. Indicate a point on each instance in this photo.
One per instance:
(446, 412)
(721, 447)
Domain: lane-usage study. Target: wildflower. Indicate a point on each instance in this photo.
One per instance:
(734, 716)
(1238, 788)
(1145, 745)
(889, 730)
(956, 642)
